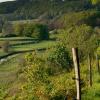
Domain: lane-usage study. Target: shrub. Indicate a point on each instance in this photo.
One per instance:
(38, 31)
(83, 37)
(41, 32)
(19, 28)
(78, 18)
(94, 2)
(40, 85)
(60, 57)
(28, 30)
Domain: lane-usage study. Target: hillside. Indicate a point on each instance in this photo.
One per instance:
(29, 9)
(50, 50)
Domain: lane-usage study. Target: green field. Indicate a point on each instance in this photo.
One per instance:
(25, 43)
(43, 44)
(9, 69)
(16, 38)
(8, 74)
(10, 82)
(50, 48)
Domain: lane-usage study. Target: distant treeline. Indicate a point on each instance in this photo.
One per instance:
(29, 9)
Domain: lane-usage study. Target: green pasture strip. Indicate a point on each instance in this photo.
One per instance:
(12, 43)
(22, 42)
(16, 39)
(43, 44)
(15, 42)
(28, 48)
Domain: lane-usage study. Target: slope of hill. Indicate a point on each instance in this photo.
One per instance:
(28, 9)
(49, 74)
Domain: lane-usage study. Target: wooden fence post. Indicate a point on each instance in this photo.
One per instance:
(90, 70)
(5, 46)
(97, 63)
(77, 72)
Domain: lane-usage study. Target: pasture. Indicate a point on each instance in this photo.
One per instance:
(24, 44)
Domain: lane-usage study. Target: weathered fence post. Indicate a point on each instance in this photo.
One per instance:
(5, 46)
(97, 63)
(77, 71)
(90, 70)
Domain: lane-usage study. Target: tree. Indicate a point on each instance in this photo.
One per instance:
(95, 2)
(19, 28)
(60, 57)
(41, 32)
(28, 30)
(7, 29)
(82, 37)
(36, 30)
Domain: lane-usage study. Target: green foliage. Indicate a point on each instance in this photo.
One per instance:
(60, 56)
(82, 37)
(40, 84)
(28, 30)
(7, 7)
(48, 76)
(18, 29)
(22, 9)
(8, 76)
(78, 18)
(2, 93)
(94, 2)
(38, 31)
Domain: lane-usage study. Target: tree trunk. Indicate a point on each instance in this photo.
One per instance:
(77, 71)
(97, 63)
(90, 70)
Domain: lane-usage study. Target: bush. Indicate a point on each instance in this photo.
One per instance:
(19, 28)
(28, 30)
(95, 2)
(40, 85)
(38, 31)
(83, 37)
(60, 57)
(41, 32)
(68, 20)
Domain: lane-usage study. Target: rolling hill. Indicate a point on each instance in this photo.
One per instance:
(29, 9)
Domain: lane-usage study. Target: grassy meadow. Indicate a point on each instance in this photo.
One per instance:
(36, 41)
